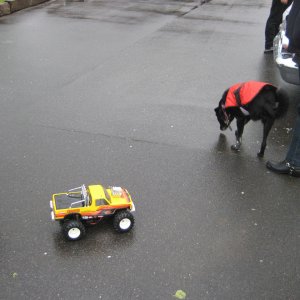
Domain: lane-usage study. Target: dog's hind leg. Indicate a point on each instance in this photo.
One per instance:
(240, 123)
(267, 127)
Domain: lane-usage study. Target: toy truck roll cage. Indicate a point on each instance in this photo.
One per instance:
(79, 192)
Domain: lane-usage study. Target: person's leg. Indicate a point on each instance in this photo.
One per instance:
(293, 155)
(273, 22)
(291, 164)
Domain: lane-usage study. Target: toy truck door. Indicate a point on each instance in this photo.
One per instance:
(104, 208)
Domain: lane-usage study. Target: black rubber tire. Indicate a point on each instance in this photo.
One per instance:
(123, 221)
(73, 230)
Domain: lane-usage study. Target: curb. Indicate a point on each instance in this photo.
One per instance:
(11, 6)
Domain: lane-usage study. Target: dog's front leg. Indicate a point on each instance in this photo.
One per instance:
(240, 123)
(238, 142)
(267, 127)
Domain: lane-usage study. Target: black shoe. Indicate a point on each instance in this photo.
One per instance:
(283, 167)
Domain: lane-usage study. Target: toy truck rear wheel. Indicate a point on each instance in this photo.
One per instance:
(73, 230)
(123, 221)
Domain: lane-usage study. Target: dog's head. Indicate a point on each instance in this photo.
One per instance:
(223, 116)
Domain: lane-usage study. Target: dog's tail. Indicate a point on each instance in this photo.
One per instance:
(283, 103)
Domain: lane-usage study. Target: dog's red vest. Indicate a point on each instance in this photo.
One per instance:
(241, 94)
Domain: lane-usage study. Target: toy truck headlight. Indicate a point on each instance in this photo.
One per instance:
(51, 204)
(52, 216)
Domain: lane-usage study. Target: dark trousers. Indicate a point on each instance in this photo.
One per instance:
(293, 155)
(274, 20)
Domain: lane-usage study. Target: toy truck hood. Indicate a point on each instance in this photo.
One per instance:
(119, 196)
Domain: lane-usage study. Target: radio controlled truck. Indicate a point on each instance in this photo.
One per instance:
(87, 205)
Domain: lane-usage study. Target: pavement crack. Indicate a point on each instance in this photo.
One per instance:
(192, 8)
(119, 137)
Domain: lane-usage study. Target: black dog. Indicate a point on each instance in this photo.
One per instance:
(251, 100)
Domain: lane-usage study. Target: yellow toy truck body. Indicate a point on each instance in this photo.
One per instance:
(88, 205)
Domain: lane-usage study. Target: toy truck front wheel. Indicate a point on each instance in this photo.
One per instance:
(123, 221)
(73, 230)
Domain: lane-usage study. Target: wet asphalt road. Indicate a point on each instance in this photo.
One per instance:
(123, 93)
